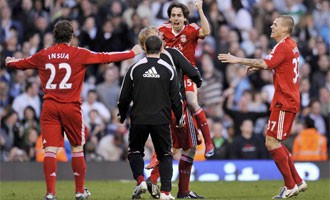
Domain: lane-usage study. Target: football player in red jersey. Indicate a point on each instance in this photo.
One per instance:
(179, 34)
(283, 61)
(62, 70)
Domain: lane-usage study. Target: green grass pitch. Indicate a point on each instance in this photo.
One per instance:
(111, 190)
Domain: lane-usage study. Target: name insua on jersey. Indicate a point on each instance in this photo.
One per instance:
(151, 73)
(58, 56)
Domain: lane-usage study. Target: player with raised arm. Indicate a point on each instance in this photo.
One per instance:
(283, 61)
(62, 69)
(179, 34)
(185, 138)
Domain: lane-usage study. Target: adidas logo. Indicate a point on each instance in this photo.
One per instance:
(151, 73)
(52, 174)
(44, 141)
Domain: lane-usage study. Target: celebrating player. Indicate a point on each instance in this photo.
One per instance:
(283, 61)
(179, 34)
(62, 69)
(186, 138)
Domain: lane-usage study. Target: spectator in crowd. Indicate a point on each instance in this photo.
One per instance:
(310, 145)
(108, 91)
(92, 103)
(30, 119)
(320, 121)
(221, 145)
(247, 145)
(29, 98)
(210, 92)
(10, 134)
(5, 99)
(241, 113)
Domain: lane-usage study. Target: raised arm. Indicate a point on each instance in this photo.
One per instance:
(205, 26)
(252, 63)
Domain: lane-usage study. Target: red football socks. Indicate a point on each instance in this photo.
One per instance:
(281, 160)
(154, 174)
(79, 170)
(185, 165)
(139, 180)
(293, 169)
(50, 166)
(203, 125)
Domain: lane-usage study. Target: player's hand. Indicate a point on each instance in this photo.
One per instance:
(137, 49)
(9, 60)
(251, 69)
(228, 58)
(120, 118)
(181, 122)
(199, 4)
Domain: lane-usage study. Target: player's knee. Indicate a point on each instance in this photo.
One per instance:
(190, 152)
(135, 153)
(164, 156)
(272, 143)
(51, 149)
(77, 148)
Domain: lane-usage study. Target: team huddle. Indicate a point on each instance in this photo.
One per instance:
(163, 88)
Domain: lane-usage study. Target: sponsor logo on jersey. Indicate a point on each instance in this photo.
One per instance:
(151, 73)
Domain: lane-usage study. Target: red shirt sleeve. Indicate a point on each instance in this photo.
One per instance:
(276, 57)
(90, 57)
(31, 62)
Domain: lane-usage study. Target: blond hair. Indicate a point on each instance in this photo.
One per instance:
(145, 33)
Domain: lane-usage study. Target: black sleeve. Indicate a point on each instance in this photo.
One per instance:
(125, 96)
(187, 68)
(232, 113)
(176, 98)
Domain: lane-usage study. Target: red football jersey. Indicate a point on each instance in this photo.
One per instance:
(185, 41)
(284, 61)
(62, 69)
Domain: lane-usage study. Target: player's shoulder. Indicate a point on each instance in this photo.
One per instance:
(165, 26)
(193, 26)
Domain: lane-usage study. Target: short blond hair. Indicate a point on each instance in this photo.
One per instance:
(287, 21)
(145, 33)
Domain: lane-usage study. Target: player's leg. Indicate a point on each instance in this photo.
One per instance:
(138, 136)
(52, 139)
(199, 114)
(161, 138)
(278, 129)
(186, 138)
(302, 185)
(74, 128)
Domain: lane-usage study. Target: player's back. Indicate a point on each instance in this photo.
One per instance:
(61, 69)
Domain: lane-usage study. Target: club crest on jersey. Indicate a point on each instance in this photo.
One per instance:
(183, 38)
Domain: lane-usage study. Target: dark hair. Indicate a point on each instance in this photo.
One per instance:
(153, 44)
(63, 31)
(184, 9)
(309, 122)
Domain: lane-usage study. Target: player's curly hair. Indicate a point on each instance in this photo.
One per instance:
(63, 31)
(183, 7)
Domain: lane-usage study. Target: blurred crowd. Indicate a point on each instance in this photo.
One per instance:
(236, 105)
